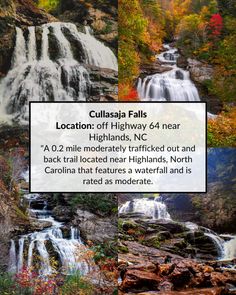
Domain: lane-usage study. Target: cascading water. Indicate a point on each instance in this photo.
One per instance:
(149, 207)
(173, 85)
(71, 251)
(217, 240)
(21, 254)
(43, 74)
(230, 249)
(12, 264)
(152, 207)
(96, 53)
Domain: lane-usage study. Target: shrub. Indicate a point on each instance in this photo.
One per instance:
(76, 285)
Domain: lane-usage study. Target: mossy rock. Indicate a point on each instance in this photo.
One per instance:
(164, 235)
(152, 242)
(123, 249)
(129, 224)
(180, 243)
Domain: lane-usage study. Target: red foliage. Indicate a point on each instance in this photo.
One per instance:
(40, 286)
(24, 278)
(132, 95)
(216, 24)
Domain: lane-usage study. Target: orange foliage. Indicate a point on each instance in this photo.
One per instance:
(222, 130)
(40, 286)
(127, 93)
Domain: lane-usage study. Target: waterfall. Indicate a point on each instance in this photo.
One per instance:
(75, 234)
(21, 254)
(71, 255)
(30, 254)
(230, 249)
(12, 265)
(97, 54)
(45, 45)
(47, 78)
(149, 207)
(71, 252)
(219, 243)
(173, 85)
(158, 211)
(44, 258)
(64, 45)
(216, 239)
(32, 52)
(19, 55)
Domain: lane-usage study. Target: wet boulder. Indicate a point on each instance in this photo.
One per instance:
(179, 75)
(182, 62)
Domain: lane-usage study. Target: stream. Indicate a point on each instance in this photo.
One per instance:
(173, 85)
(35, 247)
(157, 210)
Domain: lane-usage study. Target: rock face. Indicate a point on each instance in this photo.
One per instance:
(95, 228)
(202, 73)
(62, 213)
(146, 270)
(104, 86)
(199, 71)
(153, 68)
(23, 12)
(182, 62)
(101, 16)
(168, 236)
(16, 13)
(13, 216)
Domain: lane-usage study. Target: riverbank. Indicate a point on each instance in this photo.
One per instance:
(157, 254)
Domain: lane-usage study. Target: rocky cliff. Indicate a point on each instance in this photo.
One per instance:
(93, 214)
(101, 16)
(201, 73)
(13, 215)
(217, 208)
(16, 13)
(151, 260)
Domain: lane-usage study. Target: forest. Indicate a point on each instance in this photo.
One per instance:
(203, 32)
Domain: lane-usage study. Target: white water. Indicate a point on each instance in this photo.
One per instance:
(97, 54)
(71, 251)
(19, 55)
(44, 79)
(149, 207)
(32, 53)
(20, 257)
(12, 264)
(75, 234)
(173, 85)
(158, 210)
(219, 243)
(230, 249)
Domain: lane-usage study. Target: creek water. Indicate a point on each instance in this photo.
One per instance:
(157, 210)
